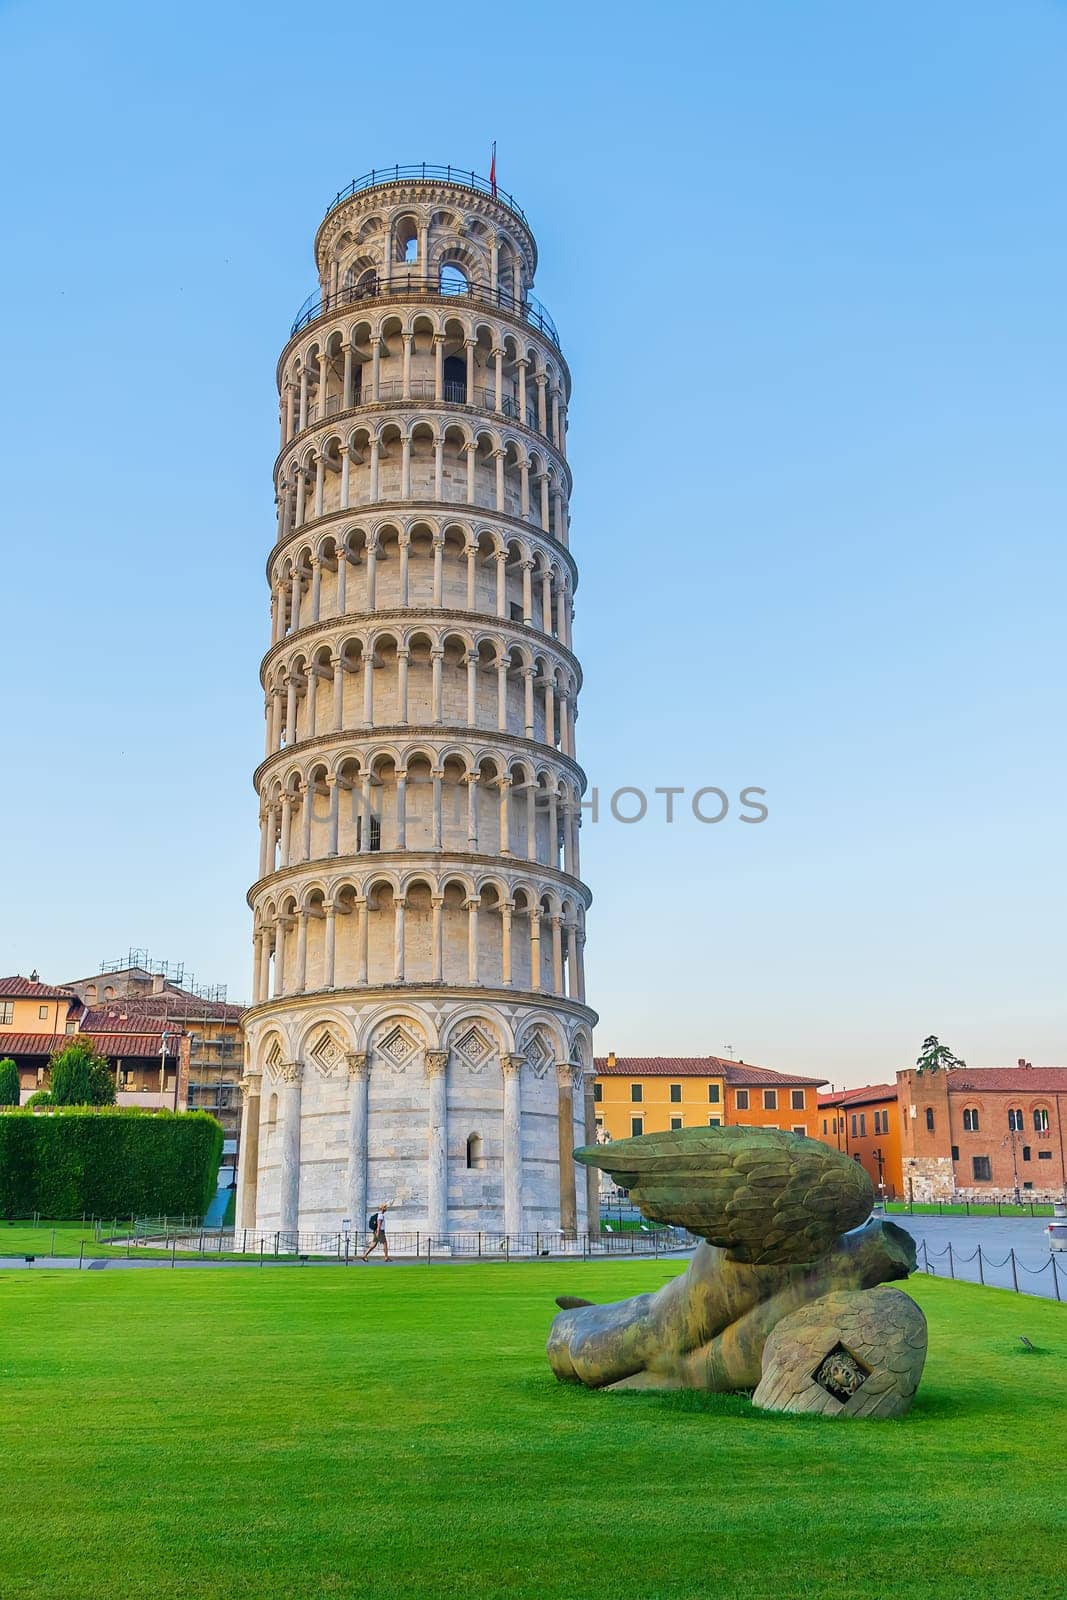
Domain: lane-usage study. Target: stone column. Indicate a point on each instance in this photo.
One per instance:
(568, 1200)
(592, 1175)
(330, 947)
(436, 1065)
(248, 1187)
(511, 1068)
(292, 1075)
(356, 1174)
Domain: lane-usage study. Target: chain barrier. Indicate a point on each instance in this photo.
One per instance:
(955, 1259)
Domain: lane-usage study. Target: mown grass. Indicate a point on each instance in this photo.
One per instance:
(968, 1208)
(385, 1432)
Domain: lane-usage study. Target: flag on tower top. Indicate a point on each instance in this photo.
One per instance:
(492, 171)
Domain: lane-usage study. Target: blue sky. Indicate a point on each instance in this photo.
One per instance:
(808, 265)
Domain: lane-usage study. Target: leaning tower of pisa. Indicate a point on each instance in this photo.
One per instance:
(419, 1031)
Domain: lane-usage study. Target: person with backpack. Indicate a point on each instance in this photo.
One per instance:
(376, 1227)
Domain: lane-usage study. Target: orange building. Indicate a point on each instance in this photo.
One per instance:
(865, 1124)
(652, 1094)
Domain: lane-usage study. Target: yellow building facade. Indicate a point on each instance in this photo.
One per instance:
(653, 1094)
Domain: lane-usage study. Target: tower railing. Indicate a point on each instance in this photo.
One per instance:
(422, 170)
(404, 287)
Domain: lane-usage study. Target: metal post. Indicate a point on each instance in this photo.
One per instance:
(261, 1251)
(1014, 1273)
(1055, 1275)
(981, 1274)
(81, 1258)
(277, 1237)
(173, 1249)
(926, 1257)
(951, 1268)
(507, 1248)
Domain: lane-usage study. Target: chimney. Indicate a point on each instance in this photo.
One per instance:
(1023, 1063)
(158, 983)
(611, 1058)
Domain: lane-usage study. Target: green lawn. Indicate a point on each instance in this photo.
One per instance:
(391, 1432)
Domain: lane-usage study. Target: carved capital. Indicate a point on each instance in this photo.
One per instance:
(358, 1066)
(291, 1071)
(511, 1065)
(436, 1063)
(565, 1074)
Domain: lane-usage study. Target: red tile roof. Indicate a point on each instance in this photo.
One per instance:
(126, 1045)
(139, 1011)
(860, 1097)
(1012, 1080)
(735, 1073)
(31, 1044)
(107, 1044)
(18, 988)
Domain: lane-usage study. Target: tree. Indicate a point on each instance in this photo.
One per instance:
(9, 1082)
(936, 1057)
(79, 1077)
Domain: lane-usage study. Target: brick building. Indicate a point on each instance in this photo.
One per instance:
(652, 1094)
(865, 1124)
(984, 1133)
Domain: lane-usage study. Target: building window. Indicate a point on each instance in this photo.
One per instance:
(770, 1099)
(801, 1130)
(474, 1150)
(1015, 1119)
(714, 1122)
(637, 1126)
(599, 1123)
(834, 1128)
(955, 1152)
(1026, 1152)
(598, 1092)
(1041, 1120)
(796, 1099)
(1028, 1185)
(970, 1119)
(929, 1119)
(741, 1099)
(713, 1094)
(7, 1013)
(981, 1169)
(1044, 1155)
(863, 1124)
(676, 1122)
(42, 1013)
(825, 1129)
(637, 1093)
(853, 1124)
(676, 1094)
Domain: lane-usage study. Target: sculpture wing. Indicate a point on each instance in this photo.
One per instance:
(766, 1197)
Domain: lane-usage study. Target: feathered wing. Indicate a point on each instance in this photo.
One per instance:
(766, 1197)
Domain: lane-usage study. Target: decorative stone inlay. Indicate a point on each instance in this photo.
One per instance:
(327, 1054)
(538, 1055)
(398, 1047)
(475, 1048)
(274, 1056)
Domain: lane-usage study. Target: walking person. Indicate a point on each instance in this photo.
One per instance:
(376, 1224)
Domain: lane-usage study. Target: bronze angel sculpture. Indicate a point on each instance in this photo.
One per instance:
(787, 1294)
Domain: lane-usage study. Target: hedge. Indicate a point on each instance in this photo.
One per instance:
(110, 1161)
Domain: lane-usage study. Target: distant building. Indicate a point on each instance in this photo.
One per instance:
(172, 1043)
(146, 996)
(150, 1057)
(865, 1124)
(984, 1133)
(652, 1094)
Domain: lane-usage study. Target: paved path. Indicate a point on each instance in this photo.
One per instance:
(998, 1237)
